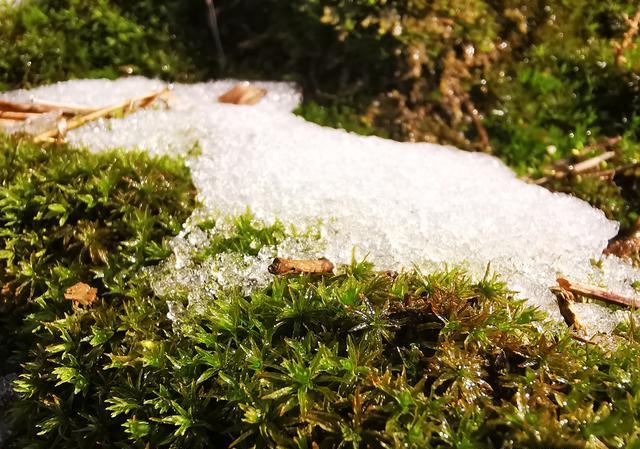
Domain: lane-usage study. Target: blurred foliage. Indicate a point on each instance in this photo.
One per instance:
(46, 41)
(533, 82)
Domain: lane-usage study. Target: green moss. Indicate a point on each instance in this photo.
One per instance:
(337, 116)
(358, 359)
(362, 358)
(247, 237)
(69, 216)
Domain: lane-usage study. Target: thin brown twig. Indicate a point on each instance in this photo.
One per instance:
(584, 166)
(41, 107)
(597, 293)
(477, 122)
(125, 106)
(613, 171)
(18, 115)
(591, 163)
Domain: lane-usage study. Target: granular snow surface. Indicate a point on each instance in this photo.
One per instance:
(399, 204)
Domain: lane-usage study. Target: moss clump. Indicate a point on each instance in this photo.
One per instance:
(361, 358)
(305, 362)
(69, 216)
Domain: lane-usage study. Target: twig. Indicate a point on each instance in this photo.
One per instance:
(24, 107)
(591, 163)
(126, 106)
(212, 18)
(67, 109)
(290, 266)
(480, 129)
(40, 107)
(598, 293)
(584, 166)
(17, 115)
(613, 171)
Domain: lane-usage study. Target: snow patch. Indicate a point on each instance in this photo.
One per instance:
(398, 204)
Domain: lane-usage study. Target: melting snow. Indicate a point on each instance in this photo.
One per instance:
(399, 204)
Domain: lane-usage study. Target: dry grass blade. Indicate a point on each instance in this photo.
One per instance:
(81, 293)
(25, 107)
(17, 115)
(124, 107)
(40, 107)
(64, 108)
(243, 94)
(290, 266)
(594, 162)
(597, 293)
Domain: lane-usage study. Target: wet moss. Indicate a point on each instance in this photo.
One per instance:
(71, 216)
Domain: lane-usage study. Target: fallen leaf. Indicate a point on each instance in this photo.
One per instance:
(243, 94)
(81, 293)
(290, 266)
(565, 300)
